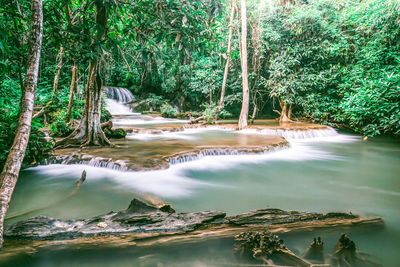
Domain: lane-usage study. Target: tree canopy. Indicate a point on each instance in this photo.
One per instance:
(332, 62)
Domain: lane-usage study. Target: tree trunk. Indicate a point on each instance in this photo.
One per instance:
(89, 131)
(284, 117)
(57, 76)
(256, 60)
(71, 91)
(228, 60)
(9, 175)
(245, 83)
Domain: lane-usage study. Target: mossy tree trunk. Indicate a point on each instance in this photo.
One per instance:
(72, 90)
(89, 131)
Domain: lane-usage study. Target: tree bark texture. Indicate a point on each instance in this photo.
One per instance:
(9, 175)
(71, 91)
(228, 59)
(57, 76)
(285, 113)
(245, 83)
(256, 60)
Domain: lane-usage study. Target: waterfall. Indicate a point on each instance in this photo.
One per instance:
(86, 159)
(117, 99)
(121, 95)
(191, 156)
(296, 134)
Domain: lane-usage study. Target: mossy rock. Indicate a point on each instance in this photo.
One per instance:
(119, 133)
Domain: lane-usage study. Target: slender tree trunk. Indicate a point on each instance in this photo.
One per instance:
(245, 83)
(284, 117)
(89, 131)
(256, 60)
(71, 91)
(57, 76)
(9, 175)
(228, 60)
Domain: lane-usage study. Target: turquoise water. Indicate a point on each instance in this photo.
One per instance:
(339, 173)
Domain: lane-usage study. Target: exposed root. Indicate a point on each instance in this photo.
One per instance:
(77, 139)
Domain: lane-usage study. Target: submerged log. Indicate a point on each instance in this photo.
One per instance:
(148, 224)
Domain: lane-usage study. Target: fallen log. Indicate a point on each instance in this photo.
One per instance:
(144, 224)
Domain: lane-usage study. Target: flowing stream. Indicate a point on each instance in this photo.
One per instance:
(321, 173)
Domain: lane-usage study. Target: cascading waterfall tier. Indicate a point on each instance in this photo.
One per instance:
(119, 94)
(163, 162)
(245, 145)
(201, 153)
(86, 159)
(298, 134)
(118, 99)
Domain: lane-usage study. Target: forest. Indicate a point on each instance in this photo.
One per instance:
(81, 79)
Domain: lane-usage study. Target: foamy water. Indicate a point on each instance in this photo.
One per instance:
(173, 182)
(145, 120)
(186, 134)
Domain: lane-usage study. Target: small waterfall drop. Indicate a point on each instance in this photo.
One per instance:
(119, 94)
(117, 99)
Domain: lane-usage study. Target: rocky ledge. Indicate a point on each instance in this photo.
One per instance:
(160, 155)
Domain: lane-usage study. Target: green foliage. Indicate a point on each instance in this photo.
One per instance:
(38, 147)
(337, 61)
(167, 111)
(59, 126)
(333, 61)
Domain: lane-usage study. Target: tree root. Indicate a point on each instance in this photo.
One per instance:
(72, 193)
(77, 139)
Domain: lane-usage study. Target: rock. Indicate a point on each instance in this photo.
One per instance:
(119, 133)
(116, 134)
(102, 225)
